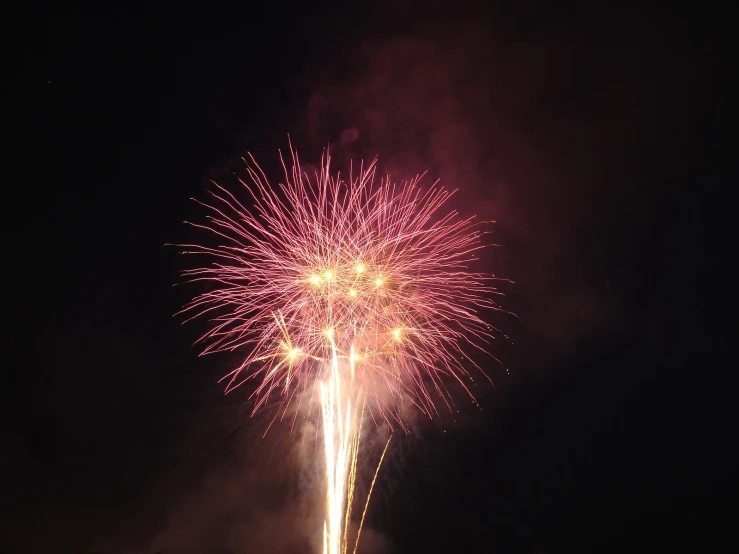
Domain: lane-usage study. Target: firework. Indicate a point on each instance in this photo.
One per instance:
(354, 292)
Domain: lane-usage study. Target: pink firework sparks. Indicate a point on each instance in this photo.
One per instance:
(364, 270)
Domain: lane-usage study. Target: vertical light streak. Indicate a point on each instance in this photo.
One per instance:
(340, 439)
(341, 435)
(369, 494)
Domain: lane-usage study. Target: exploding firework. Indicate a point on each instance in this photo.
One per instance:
(354, 292)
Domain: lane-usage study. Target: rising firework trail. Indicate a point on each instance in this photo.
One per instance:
(354, 293)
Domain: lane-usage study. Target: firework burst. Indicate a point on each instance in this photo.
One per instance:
(354, 292)
(373, 268)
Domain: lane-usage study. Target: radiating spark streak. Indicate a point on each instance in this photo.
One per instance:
(352, 479)
(369, 494)
(351, 482)
(360, 288)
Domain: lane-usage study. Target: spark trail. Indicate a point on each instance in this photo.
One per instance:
(356, 292)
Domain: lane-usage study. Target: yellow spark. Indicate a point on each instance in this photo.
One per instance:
(315, 279)
(329, 275)
(396, 334)
(378, 281)
(352, 293)
(360, 268)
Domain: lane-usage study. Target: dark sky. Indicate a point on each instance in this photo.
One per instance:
(602, 141)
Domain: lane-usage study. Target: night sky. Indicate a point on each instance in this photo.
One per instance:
(601, 141)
